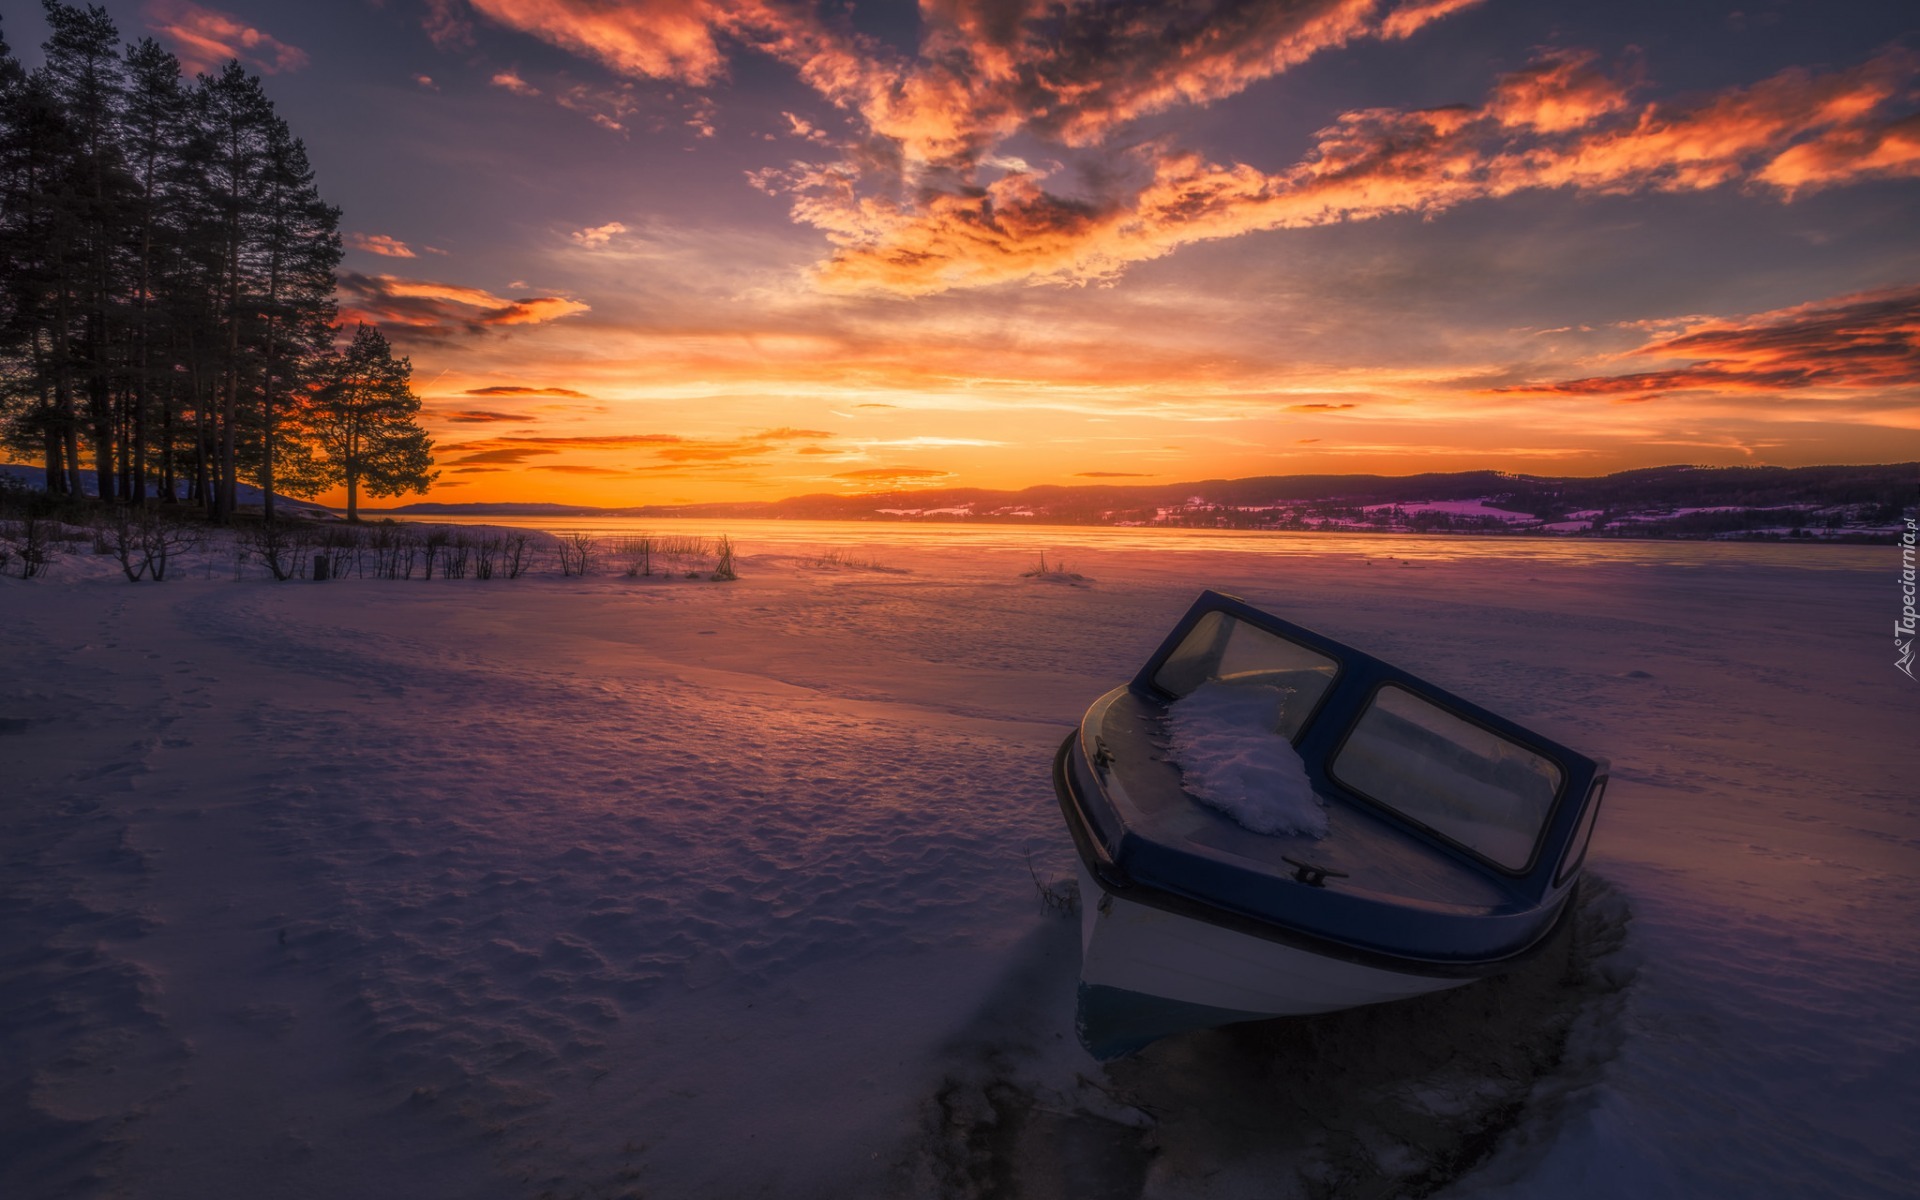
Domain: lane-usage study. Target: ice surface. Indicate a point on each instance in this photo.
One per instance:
(603, 887)
(1224, 738)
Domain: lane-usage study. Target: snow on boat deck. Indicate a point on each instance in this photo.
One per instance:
(596, 887)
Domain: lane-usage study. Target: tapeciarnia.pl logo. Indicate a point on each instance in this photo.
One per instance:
(1903, 628)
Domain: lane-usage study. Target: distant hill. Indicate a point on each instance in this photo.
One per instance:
(1852, 503)
(497, 509)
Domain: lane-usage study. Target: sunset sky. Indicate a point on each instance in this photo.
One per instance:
(678, 251)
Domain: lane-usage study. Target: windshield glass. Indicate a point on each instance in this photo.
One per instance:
(1457, 778)
(1225, 648)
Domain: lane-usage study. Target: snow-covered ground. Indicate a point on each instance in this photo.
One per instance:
(616, 887)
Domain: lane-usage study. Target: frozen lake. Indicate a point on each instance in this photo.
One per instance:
(931, 535)
(616, 887)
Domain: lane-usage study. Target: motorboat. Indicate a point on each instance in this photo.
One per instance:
(1271, 823)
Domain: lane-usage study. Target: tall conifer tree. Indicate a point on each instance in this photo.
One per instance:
(363, 421)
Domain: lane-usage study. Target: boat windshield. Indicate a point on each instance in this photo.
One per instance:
(1230, 650)
(1457, 778)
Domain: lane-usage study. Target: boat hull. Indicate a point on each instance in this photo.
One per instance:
(1147, 973)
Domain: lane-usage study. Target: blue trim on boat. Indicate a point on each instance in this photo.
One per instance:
(1284, 911)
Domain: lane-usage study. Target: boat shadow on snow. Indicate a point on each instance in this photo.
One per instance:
(1397, 1099)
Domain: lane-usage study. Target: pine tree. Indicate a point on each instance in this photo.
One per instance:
(40, 231)
(155, 135)
(363, 421)
(300, 240)
(235, 117)
(18, 382)
(84, 72)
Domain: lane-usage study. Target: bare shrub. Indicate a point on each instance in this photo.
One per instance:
(339, 547)
(681, 549)
(636, 555)
(1057, 573)
(281, 546)
(404, 550)
(458, 554)
(30, 540)
(123, 537)
(486, 551)
(436, 541)
(723, 571)
(579, 552)
(144, 542)
(838, 559)
(518, 555)
(164, 539)
(391, 550)
(1061, 897)
(372, 548)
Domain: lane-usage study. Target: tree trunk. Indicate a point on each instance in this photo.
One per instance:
(100, 409)
(56, 467)
(266, 429)
(169, 486)
(63, 394)
(202, 446)
(72, 439)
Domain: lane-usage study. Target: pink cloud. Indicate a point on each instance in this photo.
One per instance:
(204, 38)
(381, 244)
(434, 309)
(510, 80)
(1868, 341)
(1556, 125)
(926, 199)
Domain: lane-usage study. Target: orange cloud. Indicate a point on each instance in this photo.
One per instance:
(1869, 341)
(599, 441)
(1414, 15)
(659, 39)
(1557, 124)
(512, 390)
(599, 235)
(432, 309)
(1068, 71)
(607, 107)
(1560, 91)
(381, 244)
(204, 38)
(1846, 154)
(478, 417)
(510, 81)
(446, 27)
(927, 201)
(505, 456)
(662, 447)
(892, 475)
